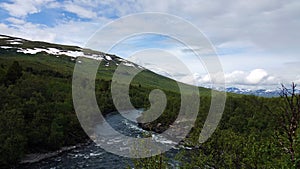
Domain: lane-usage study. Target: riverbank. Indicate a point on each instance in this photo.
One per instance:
(37, 157)
(179, 133)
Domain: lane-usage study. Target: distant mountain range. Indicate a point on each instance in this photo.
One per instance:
(259, 92)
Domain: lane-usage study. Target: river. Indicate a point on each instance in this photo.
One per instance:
(92, 156)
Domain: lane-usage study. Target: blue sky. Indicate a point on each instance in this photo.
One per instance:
(258, 42)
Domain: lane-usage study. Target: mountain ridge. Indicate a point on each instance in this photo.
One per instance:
(19, 46)
(258, 92)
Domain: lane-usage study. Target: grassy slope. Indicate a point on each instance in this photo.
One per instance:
(64, 65)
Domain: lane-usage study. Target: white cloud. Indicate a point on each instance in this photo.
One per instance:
(256, 76)
(16, 21)
(245, 22)
(235, 77)
(80, 11)
(297, 82)
(230, 22)
(71, 33)
(5, 29)
(21, 8)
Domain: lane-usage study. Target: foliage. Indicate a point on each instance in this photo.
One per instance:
(287, 132)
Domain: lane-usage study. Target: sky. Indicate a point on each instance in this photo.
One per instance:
(258, 42)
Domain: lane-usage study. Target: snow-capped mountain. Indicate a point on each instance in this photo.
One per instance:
(259, 92)
(23, 46)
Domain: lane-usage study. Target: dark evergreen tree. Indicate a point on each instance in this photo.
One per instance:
(14, 72)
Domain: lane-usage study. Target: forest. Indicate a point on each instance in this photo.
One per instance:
(37, 115)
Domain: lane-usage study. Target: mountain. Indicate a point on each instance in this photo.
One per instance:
(68, 55)
(12, 45)
(259, 92)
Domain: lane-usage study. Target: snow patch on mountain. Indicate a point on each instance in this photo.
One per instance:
(20, 40)
(15, 43)
(128, 64)
(108, 57)
(122, 60)
(72, 53)
(57, 52)
(33, 48)
(54, 51)
(15, 40)
(6, 47)
(30, 51)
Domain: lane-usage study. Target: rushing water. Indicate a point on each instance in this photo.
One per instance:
(94, 157)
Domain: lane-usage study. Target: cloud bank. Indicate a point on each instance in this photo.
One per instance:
(255, 78)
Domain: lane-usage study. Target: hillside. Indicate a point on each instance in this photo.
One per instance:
(62, 59)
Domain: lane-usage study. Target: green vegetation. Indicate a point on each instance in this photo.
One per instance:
(37, 115)
(36, 109)
(254, 132)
